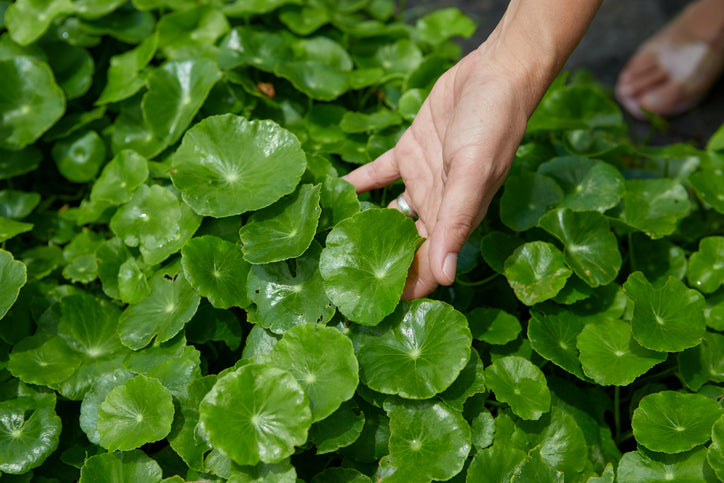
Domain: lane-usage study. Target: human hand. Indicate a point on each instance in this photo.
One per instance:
(452, 160)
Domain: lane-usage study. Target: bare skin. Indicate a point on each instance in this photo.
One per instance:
(674, 70)
(457, 152)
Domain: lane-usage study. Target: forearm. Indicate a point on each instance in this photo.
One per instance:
(535, 38)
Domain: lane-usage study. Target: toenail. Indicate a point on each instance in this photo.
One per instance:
(652, 100)
(626, 90)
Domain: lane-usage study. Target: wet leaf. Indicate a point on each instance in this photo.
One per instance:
(536, 271)
(706, 266)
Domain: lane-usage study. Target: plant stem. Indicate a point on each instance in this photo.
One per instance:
(477, 283)
(617, 414)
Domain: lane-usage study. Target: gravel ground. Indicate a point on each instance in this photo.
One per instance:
(616, 32)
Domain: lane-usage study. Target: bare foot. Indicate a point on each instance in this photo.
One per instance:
(673, 71)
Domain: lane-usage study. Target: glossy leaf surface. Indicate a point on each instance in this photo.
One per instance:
(521, 384)
(536, 271)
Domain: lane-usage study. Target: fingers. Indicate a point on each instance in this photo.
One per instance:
(380, 172)
(419, 281)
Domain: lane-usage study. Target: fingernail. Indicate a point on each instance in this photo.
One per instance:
(449, 266)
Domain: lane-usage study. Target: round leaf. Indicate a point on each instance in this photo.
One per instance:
(183, 438)
(470, 381)
(340, 475)
(175, 94)
(657, 259)
(339, 429)
(673, 422)
(610, 355)
(13, 275)
(668, 318)
(715, 453)
(227, 165)
(494, 326)
(323, 362)
(416, 352)
(495, 464)
(256, 414)
(15, 163)
(520, 383)
(95, 396)
(707, 184)
(120, 177)
(637, 466)
(126, 466)
(216, 269)
(30, 101)
(338, 200)
(427, 440)
(590, 247)
(704, 362)
(136, 413)
(706, 267)
(655, 206)
(587, 184)
(536, 272)
(316, 79)
(526, 198)
(89, 326)
(27, 20)
(50, 352)
(17, 204)
(554, 337)
(284, 300)
(163, 313)
(365, 263)
(29, 432)
(283, 230)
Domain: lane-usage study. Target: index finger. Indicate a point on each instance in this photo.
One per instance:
(380, 172)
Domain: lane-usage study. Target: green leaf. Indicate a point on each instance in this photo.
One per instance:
(126, 24)
(95, 396)
(590, 247)
(657, 259)
(17, 204)
(259, 343)
(641, 465)
(162, 314)
(340, 475)
(50, 352)
(176, 92)
(123, 78)
(131, 131)
(469, 382)
(536, 272)
(655, 206)
(73, 68)
(304, 20)
(256, 414)
(704, 362)
(96, 8)
(495, 464)
(283, 230)
(587, 184)
(559, 439)
(323, 362)
(29, 432)
(576, 107)
(10, 228)
(441, 25)
(30, 101)
(198, 26)
(284, 300)
(216, 269)
(80, 156)
(13, 275)
(14, 163)
(339, 429)
(674, 422)
(554, 337)
(89, 325)
(535, 468)
(715, 452)
(183, 438)
(130, 466)
(244, 8)
(518, 382)
(316, 79)
(527, 197)
(610, 356)
(706, 266)
(338, 200)
(27, 20)
(427, 440)
(138, 412)
(262, 49)
(707, 184)
(364, 273)
(666, 318)
(355, 122)
(120, 177)
(227, 165)
(496, 247)
(416, 352)
(156, 221)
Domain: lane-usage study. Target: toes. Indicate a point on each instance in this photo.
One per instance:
(668, 99)
(642, 74)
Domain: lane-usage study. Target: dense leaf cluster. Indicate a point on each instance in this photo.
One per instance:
(190, 292)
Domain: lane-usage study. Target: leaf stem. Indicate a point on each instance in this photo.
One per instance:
(477, 283)
(617, 414)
